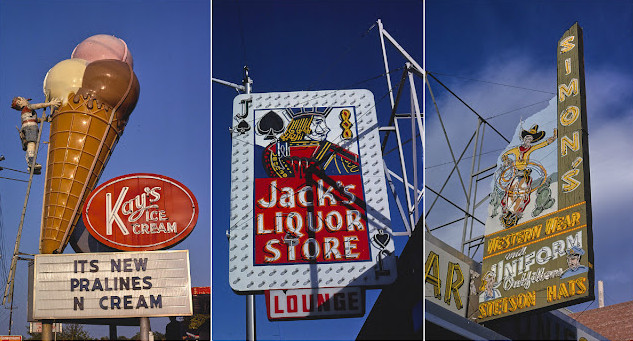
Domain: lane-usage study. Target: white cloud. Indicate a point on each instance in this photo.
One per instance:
(611, 165)
(460, 123)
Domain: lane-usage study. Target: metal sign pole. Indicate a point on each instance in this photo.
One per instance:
(250, 317)
(113, 332)
(250, 299)
(144, 329)
(47, 330)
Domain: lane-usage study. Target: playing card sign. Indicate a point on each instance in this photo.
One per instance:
(308, 192)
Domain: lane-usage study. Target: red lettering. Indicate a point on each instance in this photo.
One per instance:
(305, 304)
(277, 310)
(291, 303)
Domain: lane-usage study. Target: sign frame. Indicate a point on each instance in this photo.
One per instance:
(55, 277)
(272, 304)
(94, 221)
(244, 276)
(446, 288)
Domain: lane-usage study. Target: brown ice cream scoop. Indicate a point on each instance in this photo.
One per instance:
(83, 135)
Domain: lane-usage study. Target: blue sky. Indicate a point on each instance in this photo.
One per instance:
(168, 132)
(316, 45)
(514, 43)
(288, 46)
(293, 46)
(310, 45)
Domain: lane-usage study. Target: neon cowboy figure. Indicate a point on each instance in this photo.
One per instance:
(516, 195)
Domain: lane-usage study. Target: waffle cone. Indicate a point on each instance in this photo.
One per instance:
(83, 134)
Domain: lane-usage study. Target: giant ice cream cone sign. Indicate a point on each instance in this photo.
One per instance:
(99, 90)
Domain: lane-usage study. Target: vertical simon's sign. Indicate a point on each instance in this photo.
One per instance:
(538, 246)
(309, 204)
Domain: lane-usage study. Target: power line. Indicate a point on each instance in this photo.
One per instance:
(465, 158)
(469, 107)
(2, 177)
(517, 109)
(577, 317)
(495, 83)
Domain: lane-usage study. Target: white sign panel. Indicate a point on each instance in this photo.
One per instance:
(112, 285)
(315, 303)
(309, 204)
(447, 278)
(36, 327)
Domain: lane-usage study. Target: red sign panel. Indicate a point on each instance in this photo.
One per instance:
(141, 212)
(10, 337)
(299, 220)
(201, 290)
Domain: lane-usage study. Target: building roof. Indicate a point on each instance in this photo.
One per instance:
(614, 322)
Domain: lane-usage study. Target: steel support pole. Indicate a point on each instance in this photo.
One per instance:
(145, 328)
(405, 221)
(470, 184)
(113, 333)
(250, 299)
(384, 57)
(229, 84)
(414, 142)
(47, 330)
(474, 176)
(448, 142)
(250, 317)
(402, 51)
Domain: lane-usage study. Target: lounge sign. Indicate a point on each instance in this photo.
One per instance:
(141, 212)
(317, 303)
(538, 245)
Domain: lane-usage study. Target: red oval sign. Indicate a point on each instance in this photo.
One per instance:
(140, 212)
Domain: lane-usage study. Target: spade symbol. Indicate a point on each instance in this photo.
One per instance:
(243, 127)
(382, 239)
(270, 125)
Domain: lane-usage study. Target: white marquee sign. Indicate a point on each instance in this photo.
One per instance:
(112, 285)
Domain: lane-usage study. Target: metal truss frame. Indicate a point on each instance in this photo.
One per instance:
(470, 243)
(411, 214)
